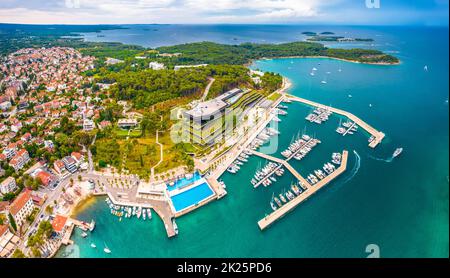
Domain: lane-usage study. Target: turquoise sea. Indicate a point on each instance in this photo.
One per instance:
(402, 205)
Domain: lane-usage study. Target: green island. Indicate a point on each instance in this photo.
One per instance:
(337, 39)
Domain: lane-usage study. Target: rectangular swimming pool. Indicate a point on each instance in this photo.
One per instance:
(192, 196)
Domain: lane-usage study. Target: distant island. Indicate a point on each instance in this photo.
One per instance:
(337, 39)
(213, 53)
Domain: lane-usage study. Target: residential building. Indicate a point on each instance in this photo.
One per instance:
(19, 160)
(10, 150)
(78, 157)
(59, 167)
(8, 241)
(47, 179)
(4, 106)
(70, 164)
(8, 185)
(21, 207)
(88, 125)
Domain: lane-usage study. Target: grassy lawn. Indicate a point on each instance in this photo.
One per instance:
(143, 153)
(274, 96)
(135, 133)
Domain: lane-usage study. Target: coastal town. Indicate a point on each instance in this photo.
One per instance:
(53, 116)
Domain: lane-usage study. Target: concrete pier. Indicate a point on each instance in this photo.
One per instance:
(378, 135)
(310, 190)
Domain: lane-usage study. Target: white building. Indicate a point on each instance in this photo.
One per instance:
(156, 66)
(8, 185)
(5, 105)
(176, 68)
(70, 163)
(88, 125)
(127, 123)
(22, 207)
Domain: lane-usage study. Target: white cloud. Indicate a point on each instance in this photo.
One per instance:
(207, 11)
(161, 11)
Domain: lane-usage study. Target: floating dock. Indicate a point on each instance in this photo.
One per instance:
(310, 190)
(378, 135)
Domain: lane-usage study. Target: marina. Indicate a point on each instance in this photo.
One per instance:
(208, 241)
(300, 147)
(319, 115)
(378, 136)
(265, 176)
(349, 127)
(309, 190)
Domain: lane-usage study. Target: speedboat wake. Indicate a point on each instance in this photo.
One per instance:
(355, 167)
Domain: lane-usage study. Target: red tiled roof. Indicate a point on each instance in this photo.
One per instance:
(22, 152)
(20, 202)
(45, 177)
(76, 155)
(3, 229)
(58, 223)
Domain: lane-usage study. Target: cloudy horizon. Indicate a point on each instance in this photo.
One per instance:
(351, 12)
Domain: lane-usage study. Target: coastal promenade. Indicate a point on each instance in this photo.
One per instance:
(310, 190)
(378, 135)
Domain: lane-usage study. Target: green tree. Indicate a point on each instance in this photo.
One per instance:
(36, 252)
(12, 222)
(18, 254)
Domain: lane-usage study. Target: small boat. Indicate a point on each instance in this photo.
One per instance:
(175, 227)
(323, 82)
(93, 245)
(350, 96)
(84, 234)
(314, 69)
(277, 201)
(149, 213)
(425, 68)
(106, 249)
(274, 207)
(397, 152)
(282, 198)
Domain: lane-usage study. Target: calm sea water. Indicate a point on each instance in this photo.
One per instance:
(402, 206)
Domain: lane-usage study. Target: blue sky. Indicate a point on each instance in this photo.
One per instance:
(388, 12)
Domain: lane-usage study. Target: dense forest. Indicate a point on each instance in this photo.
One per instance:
(213, 53)
(145, 88)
